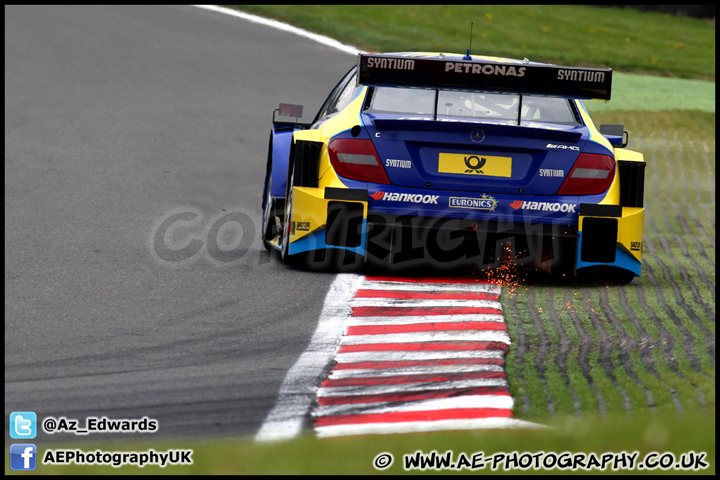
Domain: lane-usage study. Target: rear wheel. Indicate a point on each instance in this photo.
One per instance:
(270, 228)
(284, 251)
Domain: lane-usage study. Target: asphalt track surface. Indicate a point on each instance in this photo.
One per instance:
(117, 118)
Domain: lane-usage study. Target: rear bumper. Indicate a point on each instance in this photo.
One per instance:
(554, 235)
(463, 242)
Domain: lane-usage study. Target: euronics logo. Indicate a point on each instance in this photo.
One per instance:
(485, 202)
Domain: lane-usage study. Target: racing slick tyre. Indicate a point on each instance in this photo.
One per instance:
(288, 259)
(285, 240)
(271, 210)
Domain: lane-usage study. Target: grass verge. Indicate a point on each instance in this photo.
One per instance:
(623, 39)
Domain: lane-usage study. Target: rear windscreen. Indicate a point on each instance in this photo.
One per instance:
(471, 105)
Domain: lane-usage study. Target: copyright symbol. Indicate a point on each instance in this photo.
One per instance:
(49, 425)
(383, 461)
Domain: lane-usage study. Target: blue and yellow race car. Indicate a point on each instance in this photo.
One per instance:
(456, 161)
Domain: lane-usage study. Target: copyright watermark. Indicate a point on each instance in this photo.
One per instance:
(186, 234)
(565, 461)
(383, 461)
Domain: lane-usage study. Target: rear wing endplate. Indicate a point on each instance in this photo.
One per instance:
(498, 77)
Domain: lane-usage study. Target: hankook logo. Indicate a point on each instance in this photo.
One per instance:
(405, 197)
(477, 135)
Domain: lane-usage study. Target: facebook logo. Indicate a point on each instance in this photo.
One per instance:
(23, 425)
(23, 456)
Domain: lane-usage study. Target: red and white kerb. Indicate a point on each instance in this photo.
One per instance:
(418, 354)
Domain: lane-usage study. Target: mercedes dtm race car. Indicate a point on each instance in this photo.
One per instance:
(457, 160)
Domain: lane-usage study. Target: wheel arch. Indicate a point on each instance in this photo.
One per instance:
(281, 140)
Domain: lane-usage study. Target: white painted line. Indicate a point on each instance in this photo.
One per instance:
(297, 393)
(432, 426)
(411, 319)
(429, 369)
(465, 401)
(327, 41)
(433, 287)
(422, 302)
(399, 355)
(453, 335)
(410, 387)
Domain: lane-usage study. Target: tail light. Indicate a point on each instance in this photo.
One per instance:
(591, 174)
(357, 159)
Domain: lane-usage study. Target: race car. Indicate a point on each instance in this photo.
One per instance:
(456, 160)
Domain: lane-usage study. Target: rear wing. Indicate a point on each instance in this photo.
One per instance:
(498, 77)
